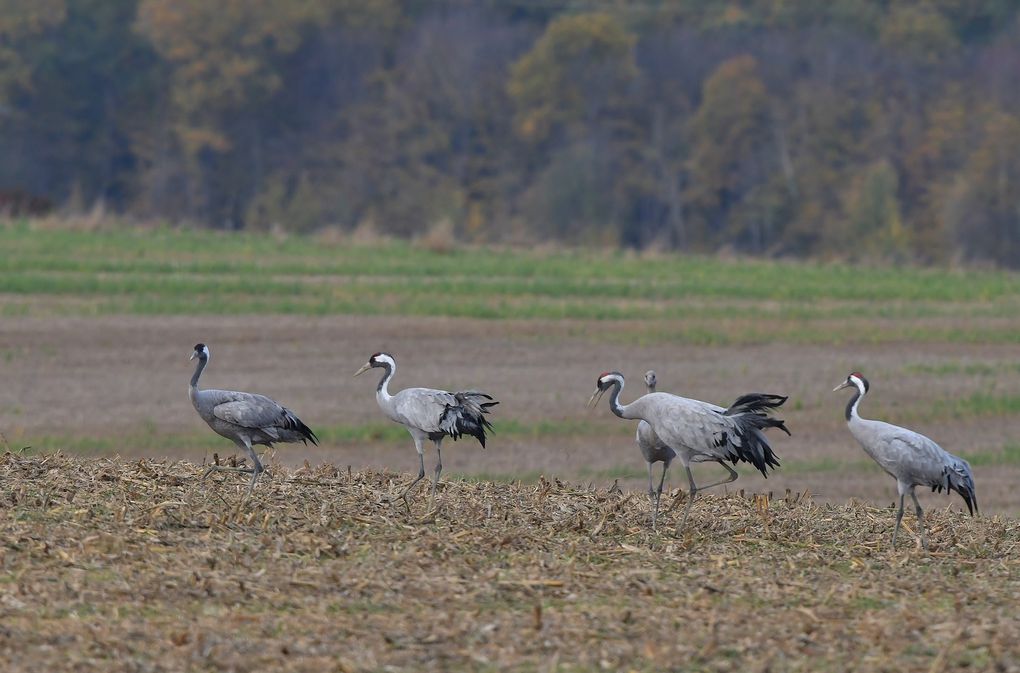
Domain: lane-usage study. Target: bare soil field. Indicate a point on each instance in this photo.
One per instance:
(111, 565)
(105, 378)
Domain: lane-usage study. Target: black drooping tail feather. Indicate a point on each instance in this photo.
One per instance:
(957, 477)
(468, 416)
(755, 402)
(295, 424)
(750, 414)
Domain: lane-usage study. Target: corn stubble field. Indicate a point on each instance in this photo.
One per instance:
(115, 555)
(139, 566)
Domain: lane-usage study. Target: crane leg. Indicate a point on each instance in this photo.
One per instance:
(435, 477)
(651, 492)
(421, 473)
(920, 520)
(899, 518)
(255, 471)
(690, 498)
(733, 477)
(658, 493)
(226, 468)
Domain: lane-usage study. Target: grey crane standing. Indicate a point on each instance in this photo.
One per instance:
(654, 451)
(428, 413)
(246, 419)
(702, 432)
(909, 457)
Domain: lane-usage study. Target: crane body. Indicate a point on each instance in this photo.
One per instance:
(702, 432)
(909, 457)
(430, 414)
(247, 419)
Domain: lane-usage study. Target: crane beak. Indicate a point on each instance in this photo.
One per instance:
(845, 384)
(193, 354)
(364, 368)
(596, 396)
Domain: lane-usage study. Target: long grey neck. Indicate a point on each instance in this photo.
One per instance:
(202, 362)
(623, 411)
(851, 406)
(383, 390)
(651, 387)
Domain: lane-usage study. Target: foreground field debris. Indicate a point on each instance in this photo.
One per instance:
(140, 566)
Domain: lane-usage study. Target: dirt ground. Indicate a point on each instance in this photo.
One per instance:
(108, 377)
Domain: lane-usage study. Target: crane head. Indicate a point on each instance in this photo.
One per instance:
(650, 379)
(201, 352)
(854, 380)
(605, 381)
(377, 360)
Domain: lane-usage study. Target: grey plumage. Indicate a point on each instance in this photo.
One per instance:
(702, 432)
(246, 419)
(909, 457)
(654, 451)
(431, 414)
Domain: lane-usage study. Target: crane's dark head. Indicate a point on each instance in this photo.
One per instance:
(201, 352)
(854, 380)
(605, 381)
(650, 379)
(377, 360)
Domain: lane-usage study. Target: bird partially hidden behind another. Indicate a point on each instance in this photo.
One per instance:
(428, 413)
(654, 450)
(907, 456)
(246, 419)
(702, 432)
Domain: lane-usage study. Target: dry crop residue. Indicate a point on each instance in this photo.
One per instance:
(109, 565)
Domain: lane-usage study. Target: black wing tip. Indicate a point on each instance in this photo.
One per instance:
(962, 483)
(755, 403)
(468, 421)
(774, 401)
(296, 424)
(755, 448)
(970, 498)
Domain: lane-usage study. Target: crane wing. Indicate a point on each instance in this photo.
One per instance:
(439, 411)
(258, 412)
(422, 408)
(912, 457)
(709, 431)
(248, 410)
(689, 423)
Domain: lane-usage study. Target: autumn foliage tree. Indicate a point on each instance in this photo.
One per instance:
(774, 127)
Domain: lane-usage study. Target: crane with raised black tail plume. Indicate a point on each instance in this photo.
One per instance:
(702, 432)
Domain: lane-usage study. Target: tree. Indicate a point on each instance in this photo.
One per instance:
(983, 208)
(225, 60)
(21, 22)
(575, 80)
(85, 87)
(874, 226)
(732, 157)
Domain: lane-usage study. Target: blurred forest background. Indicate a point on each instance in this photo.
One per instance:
(851, 128)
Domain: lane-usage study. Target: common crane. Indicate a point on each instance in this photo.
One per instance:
(246, 419)
(654, 451)
(702, 432)
(909, 457)
(428, 413)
